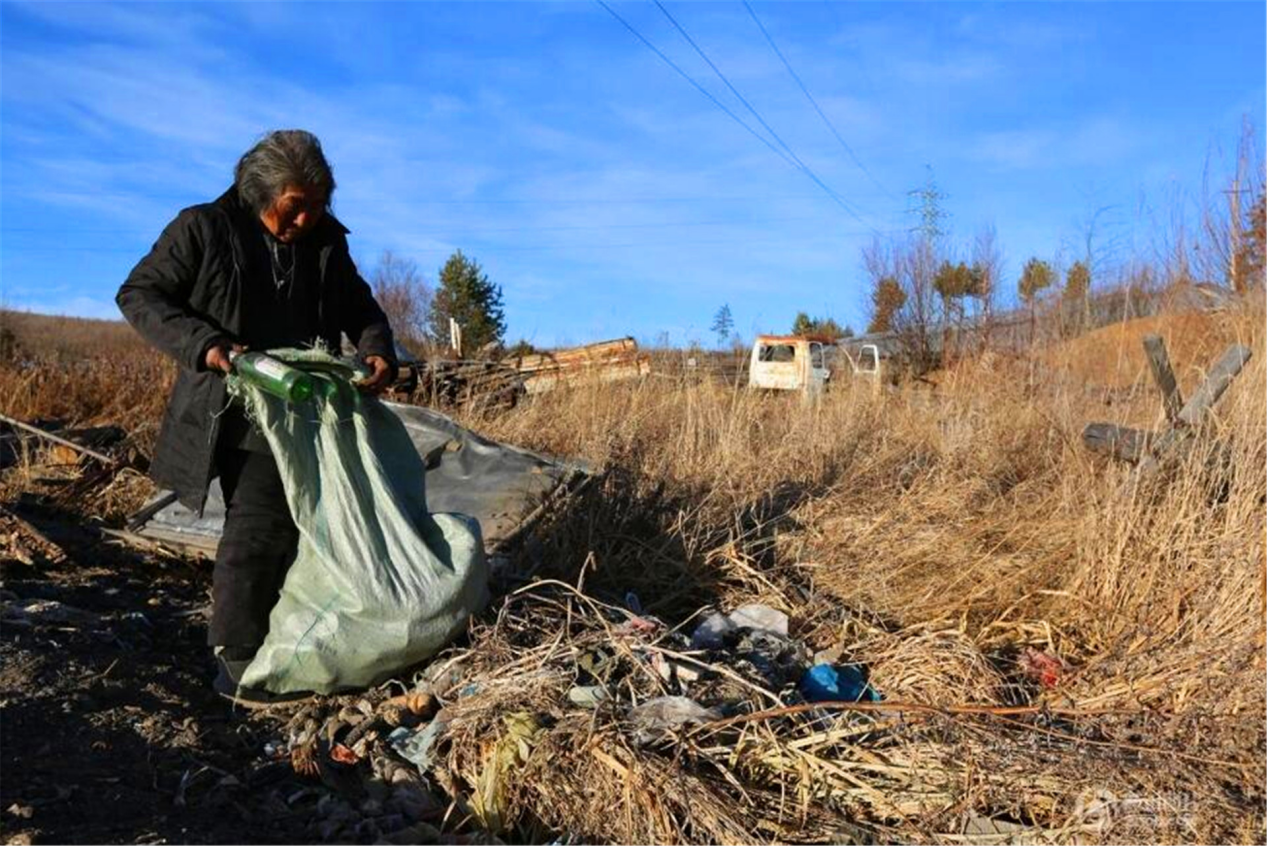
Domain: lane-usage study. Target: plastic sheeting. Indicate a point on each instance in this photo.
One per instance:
(465, 473)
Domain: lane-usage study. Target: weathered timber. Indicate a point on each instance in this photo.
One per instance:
(1118, 442)
(1159, 360)
(598, 353)
(1227, 369)
(35, 430)
(1171, 444)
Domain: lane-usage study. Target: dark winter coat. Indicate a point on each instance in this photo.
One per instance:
(187, 295)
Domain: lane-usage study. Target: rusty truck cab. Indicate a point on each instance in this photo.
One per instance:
(789, 363)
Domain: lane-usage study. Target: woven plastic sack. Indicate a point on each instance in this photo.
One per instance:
(378, 583)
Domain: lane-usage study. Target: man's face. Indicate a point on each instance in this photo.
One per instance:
(294, 213)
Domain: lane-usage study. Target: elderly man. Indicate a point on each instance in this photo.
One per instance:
(265, 265)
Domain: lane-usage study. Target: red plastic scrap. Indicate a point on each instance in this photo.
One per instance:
(343, 755)
(1046, 668)
(639, 625)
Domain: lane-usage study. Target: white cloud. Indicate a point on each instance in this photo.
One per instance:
(1097, 141)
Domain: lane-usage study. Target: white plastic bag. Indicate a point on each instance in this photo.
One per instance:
(378, 583)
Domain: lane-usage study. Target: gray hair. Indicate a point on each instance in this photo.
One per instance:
(282, 157)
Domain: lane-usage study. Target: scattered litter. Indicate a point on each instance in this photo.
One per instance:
(776, 660)
(837, 683)
(587, 696)
(1045, 668)
(633, 603)
(415, 745)
(761, 618)
(712, 632)
(490, 802)
(666, 713)
(46, 612)
(343, 755)
(640, 626)
(597, 663)
(673, 670)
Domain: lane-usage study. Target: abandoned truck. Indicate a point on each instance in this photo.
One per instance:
(804, 363)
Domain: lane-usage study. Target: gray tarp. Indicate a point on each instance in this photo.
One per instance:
(499, 485)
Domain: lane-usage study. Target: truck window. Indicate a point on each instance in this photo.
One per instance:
(867, 362)
(816, 356)
(778, 353)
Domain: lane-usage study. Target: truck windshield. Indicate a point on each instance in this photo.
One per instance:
(776, 353)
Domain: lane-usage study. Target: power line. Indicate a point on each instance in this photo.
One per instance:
(733, 90)
(701, 89)
(775, 47)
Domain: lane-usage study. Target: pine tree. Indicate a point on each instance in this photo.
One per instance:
(723, 324)
(887, 299)
(1074, 304)
(826, 327)
(1036, 277)
(1077, 282)
(466, 295)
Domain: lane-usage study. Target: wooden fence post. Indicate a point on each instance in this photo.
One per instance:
(1159, 360)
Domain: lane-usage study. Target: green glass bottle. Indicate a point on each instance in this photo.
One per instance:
(276, 377)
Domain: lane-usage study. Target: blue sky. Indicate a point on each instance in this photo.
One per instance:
(600, 189)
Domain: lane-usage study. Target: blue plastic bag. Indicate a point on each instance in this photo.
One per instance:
(837, 683)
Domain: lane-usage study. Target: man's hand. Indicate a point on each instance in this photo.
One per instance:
(217, 357)
(381, 375)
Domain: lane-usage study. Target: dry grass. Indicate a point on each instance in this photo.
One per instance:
(933, 534)
(83, 373)
(938, 535)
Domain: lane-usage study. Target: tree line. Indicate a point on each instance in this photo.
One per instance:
(927, 289)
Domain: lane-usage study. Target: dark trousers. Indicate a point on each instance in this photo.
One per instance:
(256, 549)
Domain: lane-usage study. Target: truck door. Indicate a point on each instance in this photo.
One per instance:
(818, 372)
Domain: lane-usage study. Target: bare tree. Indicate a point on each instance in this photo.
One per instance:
(1226, 217)
(406, 298)
(911, 263)
(987, 261)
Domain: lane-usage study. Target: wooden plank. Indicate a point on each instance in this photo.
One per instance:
(1164, 375)
(1227, 369)
(1171, 444)
(104, 459)
(1118, 442)
(598, 353)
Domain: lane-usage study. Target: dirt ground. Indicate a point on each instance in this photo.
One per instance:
(109, 728)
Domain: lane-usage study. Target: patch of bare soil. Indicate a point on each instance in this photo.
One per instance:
(109, 728)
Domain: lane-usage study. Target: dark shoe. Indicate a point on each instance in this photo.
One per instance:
(231, 663)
